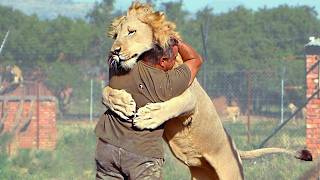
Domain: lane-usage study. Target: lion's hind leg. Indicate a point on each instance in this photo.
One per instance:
(226, 161)
(203, 172)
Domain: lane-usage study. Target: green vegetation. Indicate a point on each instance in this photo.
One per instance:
(70, 52)
(240, 40)
(72, 159)
(74, 155)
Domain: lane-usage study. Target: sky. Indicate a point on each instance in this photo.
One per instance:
(49, 9)
(224, 5)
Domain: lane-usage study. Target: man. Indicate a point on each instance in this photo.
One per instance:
(123, 151)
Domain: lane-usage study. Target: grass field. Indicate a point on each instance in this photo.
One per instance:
(74, 155)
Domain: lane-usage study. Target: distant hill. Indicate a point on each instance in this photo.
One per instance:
(49, 9)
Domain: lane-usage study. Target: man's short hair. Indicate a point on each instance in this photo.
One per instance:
(154, 54)
(157, 52)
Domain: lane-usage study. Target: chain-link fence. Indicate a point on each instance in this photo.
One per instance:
(263, 93)
(253, 97)
(250, 104)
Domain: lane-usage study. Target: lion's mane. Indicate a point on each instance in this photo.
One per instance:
(161, 27)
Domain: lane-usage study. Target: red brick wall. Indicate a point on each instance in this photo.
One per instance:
(41, 132)
(313, 108)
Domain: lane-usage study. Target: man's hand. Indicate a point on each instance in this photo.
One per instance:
(119, 101)
(173, 41)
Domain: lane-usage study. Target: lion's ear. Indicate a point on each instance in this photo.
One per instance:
(161, 13)
(113, 26)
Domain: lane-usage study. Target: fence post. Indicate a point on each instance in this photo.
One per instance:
(204, 35)
(38, 114)
(282, 94)
(249, 105)
(91, 99)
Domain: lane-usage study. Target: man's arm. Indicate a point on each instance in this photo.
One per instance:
(191, 58)
(177, 82)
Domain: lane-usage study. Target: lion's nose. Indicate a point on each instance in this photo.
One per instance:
(116, 51)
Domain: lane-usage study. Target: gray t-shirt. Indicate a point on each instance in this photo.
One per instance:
(146, 84)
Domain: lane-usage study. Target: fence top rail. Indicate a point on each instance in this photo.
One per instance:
(31, 98)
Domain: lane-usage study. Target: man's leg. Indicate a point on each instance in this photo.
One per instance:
(151, 169)
(108, 162)
(141, 167)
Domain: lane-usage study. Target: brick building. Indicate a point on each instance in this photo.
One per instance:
(28, 113)
(313, 107)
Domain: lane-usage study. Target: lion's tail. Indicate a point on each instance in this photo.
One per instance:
(304, 155)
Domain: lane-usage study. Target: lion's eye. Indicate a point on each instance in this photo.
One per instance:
(115, 36)
(131, 32)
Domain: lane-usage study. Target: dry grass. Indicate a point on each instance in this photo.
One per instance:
(74, 156)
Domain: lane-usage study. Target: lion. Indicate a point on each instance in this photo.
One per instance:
(233, 112)
(12, 78)
(17, 74)
(195, 133)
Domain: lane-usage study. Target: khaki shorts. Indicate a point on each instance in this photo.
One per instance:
(116, 163)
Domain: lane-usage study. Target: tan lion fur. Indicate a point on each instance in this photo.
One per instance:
(201, 143)
(233, 112)
(162, 29)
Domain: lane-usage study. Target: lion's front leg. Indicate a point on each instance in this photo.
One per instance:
(119, 101)
(153, 115)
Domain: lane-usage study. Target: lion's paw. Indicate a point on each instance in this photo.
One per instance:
(149, 117)
(142, 123)
(119, 101)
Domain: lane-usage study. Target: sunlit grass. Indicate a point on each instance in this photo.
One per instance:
(74, 155)
(292, 136)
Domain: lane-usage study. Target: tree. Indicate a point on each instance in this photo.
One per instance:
(69, 39)
(100, 18)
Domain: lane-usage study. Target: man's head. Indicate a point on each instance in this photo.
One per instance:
(168, 60)
(162, 58)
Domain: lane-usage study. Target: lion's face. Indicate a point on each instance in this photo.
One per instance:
(132, 38)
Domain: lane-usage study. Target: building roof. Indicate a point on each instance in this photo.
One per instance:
(27, 88)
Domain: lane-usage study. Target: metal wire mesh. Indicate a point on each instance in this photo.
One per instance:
(250, 104)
